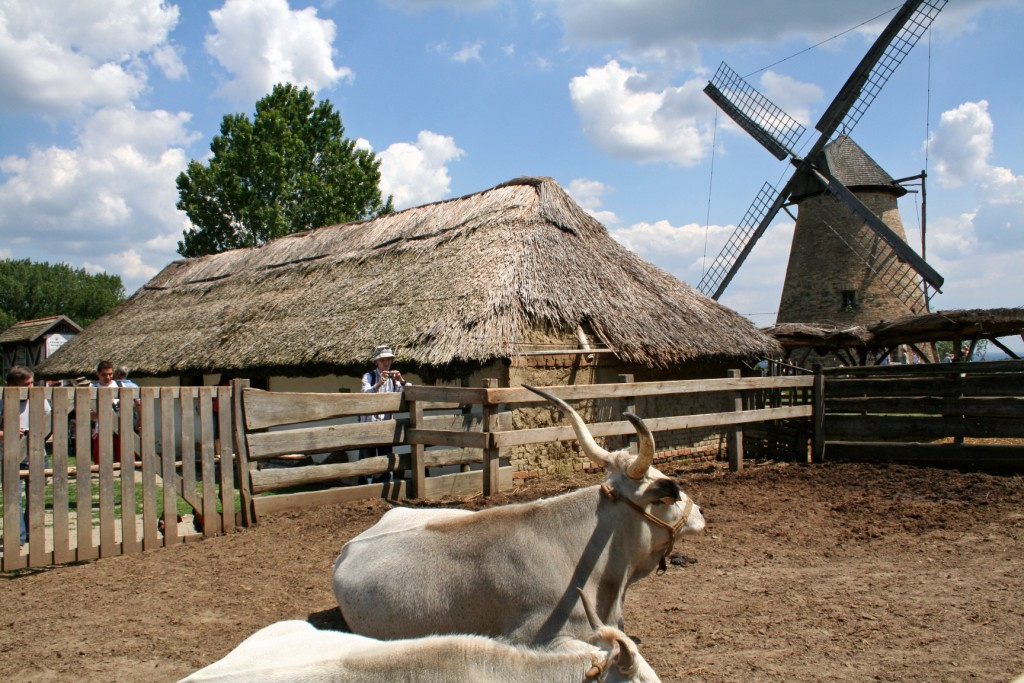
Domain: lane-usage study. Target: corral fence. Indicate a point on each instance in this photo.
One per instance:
(464, 427)
(955, 414)
(109, 471)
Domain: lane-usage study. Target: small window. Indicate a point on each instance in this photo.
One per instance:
(849, 300)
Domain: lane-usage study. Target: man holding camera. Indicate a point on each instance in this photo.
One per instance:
(380, 380)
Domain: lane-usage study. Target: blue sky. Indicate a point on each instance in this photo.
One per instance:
(104, 103)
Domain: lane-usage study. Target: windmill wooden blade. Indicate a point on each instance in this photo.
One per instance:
(881, 60)
(755, 221)
(776, 130)
(901, 248)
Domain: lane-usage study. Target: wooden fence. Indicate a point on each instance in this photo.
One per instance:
(182, 453)
(477, 429)
(118, 492)
(941, 413)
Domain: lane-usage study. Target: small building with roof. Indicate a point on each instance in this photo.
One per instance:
(29, 342)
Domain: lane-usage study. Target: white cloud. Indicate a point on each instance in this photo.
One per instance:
(628, 118)
(588, 194)
(57, 57)
(417, 173)
(168, 59)
(469, 52)
(673, 31)
(108, 202)
(962, 148)
(264, 42)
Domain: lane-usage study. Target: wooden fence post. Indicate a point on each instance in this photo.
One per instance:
(241, 448)
(818, 415)
(735, 444)
(417, 453)
(492, 463)
(629, 406)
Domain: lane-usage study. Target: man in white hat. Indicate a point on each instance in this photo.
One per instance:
(380, 380)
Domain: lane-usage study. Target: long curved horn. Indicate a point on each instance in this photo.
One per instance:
(645, 456)
(587, 443)
(588, 607)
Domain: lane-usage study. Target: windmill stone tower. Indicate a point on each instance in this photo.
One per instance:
(850, 261)
(826, 279)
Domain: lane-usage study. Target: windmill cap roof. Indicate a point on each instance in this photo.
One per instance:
(845, 161)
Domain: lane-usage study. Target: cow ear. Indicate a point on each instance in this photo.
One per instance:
(665, 491)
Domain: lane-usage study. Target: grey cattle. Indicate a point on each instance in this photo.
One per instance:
(511, 571)
(297, 652)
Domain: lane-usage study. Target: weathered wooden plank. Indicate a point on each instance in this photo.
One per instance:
(657, 424)
(84, 550)
(464, 483)
(105, 422)
(274, 478)
(436, 437)
(263, 445)
(911, 428)
(39, 428)
(459, 484)
(417, 483)
(129, 533)
(13, 444)
(62, 402)
(974, 368)
(147, 452)
(243, 467)
(514, 395)
(1003, 406)
(265, 409)
(211, 519)
(187, 422)
(266, 505)
(226, 455)
(965, 455)
(450, 395)
(949, 385)
(168, 457)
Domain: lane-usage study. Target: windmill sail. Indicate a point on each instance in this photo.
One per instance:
(778, 133)
(878, 64)
(755, 221)
(776, 130)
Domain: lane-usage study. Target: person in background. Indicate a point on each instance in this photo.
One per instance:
(19, 376)
(105, 380)
(382, 379)
(121, 377)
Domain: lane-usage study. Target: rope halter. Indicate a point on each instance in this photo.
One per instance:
(672, 529)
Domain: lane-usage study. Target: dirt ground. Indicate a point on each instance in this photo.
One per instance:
(837, 572)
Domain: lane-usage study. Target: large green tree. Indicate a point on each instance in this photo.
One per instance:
(37, 290)
(288, 169)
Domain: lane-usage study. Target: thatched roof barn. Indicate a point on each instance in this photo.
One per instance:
(468, 280)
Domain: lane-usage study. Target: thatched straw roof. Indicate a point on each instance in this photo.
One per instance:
(952, 325)
(976, 323)
(32, 330)
(800, 335)
(462, 280)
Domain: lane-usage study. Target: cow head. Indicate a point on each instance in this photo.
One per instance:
(633, 477)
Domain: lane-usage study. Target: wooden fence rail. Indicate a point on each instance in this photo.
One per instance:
(276, 426)
(925, 413)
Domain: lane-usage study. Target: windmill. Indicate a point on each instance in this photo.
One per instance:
(874, 253)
